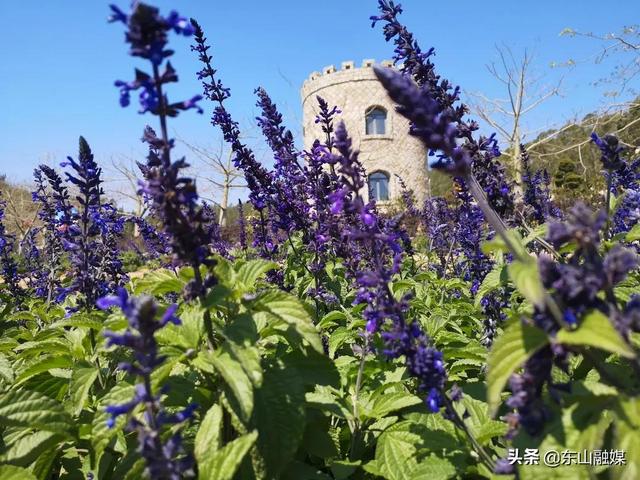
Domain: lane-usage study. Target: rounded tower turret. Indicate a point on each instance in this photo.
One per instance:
(378, 131)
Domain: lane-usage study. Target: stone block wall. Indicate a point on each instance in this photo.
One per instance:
(355, 90)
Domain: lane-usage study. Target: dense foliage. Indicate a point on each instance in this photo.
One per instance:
(330, 339)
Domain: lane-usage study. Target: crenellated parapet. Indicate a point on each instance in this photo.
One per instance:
(348, 72)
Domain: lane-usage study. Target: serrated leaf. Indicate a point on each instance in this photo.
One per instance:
(279, 416)
(526, 278)
(223, 464)
(250, 271)
(395, 454)
(23, 408)
(596, 330)
(493, 280)
(24, 450)
(283, 307)
(78, 322)
(237, 381)
(331, 319)
(386, 403)
(339, 337)
(6, 370)
(82, 380)
(101, 434)
(11, 472)
(158, 282)
(433, 468)
(508, 353)
(627, 438)
(208, 435)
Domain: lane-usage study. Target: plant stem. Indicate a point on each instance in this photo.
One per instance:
(208, 326)
(482, 453)
(356, 394)
(607, 206)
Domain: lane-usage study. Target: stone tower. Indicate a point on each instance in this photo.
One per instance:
(381, 134)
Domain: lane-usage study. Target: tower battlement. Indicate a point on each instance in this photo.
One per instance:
(377, 130)
(347, 72)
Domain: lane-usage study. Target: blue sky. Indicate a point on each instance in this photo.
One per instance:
(60, 59)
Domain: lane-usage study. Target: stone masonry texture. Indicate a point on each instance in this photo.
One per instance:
(355, 91)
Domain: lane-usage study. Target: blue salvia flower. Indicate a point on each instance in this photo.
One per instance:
(383, 312)
(111, 225)
(242, 226)
(81, 238)
(216, 242)
(290, 203)
(172, 196)
(584, 282)
(35, 274)
(156, 242)
(258, 179)
(627, 214)
(147, 33)
(536, 191)
(432, 105)
(325, 118)
(8, 265)
(56, 214)
(164, 459)
(610, 150)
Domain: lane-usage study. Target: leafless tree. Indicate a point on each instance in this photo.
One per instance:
(623, 48)
(123, 184)
(524, 92)
(222, 174)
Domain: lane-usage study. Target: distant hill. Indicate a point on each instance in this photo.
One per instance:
(572, 159)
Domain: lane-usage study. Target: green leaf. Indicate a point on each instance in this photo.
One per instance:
(396, 453)
(239, 385)
(208, 436)
(633, 234)
(10, 472)
(249, 272)
(6, 371)
(190, 331)
(101, 434)
(508, 353)
(386, 403)
(343, 469)
(497, 244)
(158, 282)
(43, 364)
(24, 408)
(82, 379)
(627, 437)
(223, 464)
(314, 368)
(433, 468)
(338, 337)
(286, 309)
(538, 232)
(25, 449)
(596, 330)
(526, 278)
(279, 416)
(492, 281)
(331, 319)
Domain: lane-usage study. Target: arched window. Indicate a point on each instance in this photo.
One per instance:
(379, 186)
(376, 119)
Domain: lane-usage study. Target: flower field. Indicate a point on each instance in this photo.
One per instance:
(466, 337)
